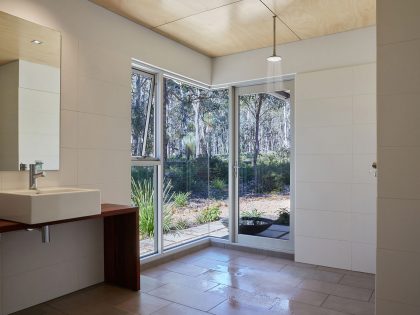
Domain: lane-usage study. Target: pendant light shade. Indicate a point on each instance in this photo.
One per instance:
(274, 57)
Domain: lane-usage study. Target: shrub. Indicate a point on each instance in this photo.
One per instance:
(254, 213)
(209, 214)
(218, 184)
(283, 217)
(181, 199)
(143, 197)
(182, 224)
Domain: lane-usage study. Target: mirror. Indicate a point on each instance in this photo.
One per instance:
(29, 94)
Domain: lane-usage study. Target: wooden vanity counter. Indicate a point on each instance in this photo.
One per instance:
(121, 242)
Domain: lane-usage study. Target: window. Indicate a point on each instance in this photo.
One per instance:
(145, 165)
(196, 148)
(142, 114)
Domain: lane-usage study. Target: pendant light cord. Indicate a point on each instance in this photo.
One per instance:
(274, 35)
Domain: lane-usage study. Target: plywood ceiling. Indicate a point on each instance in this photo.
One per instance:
(222, 27)
(16, 35)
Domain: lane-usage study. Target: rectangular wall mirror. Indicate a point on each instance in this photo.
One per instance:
(29, 94)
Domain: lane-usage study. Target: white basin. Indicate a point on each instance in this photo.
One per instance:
(48, 204)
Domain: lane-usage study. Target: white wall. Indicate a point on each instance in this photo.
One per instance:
(398, 285)
(335, 141)
(97, 47)
(333, 51)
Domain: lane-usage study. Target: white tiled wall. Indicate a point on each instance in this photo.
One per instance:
(398, 261)
(335, 126)
(97, 47)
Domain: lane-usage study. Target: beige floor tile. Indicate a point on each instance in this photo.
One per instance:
(337, 289)
(189, 297)
(148, 283)
(143, 304)
(42, 309)
(349, 306)
(241, 296)
(358, 281)
(297, 308)
(177, 309)
(256, 263)
(232, 307)
(185, 281)
(185, 269)
(312, 273)
(220, 254)
(236, 280)
(309, 297)
(212, 264)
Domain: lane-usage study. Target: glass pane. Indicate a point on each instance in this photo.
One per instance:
(142, 115)
(143, 195)
(196, 163)
(264, 165)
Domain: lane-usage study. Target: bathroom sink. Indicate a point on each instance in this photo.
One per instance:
(48, 204)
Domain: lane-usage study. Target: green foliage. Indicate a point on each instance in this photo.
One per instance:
(218, 184)
(272, 173)
(254, 213)
(182, 224)
(209, 214)
(283, 217)
(142, 196)
(181, 199)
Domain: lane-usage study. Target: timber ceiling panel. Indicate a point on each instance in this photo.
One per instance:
(222, 27)
(16, 35)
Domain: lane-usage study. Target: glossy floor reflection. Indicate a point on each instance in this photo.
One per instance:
(221, 281)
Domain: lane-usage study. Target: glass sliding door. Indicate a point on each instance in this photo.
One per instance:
(263, 166)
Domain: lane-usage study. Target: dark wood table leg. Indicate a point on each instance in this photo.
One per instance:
(121, 250)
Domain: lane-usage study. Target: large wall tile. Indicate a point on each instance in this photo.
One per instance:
(398, 119)
(363, 172)
(363, 228)
(102, 97)
(398, 174)
(398, 276)
(324, 168)
(364, 109)
(336, 111)
(324, 140)
(323, 196)
(399, 70)
(386, 307)
(364, 139)
(323, 224)
(364, 79)
(22, 290)
(325, 84)
(69, 126)
(363, 198)
(330, 253)
(363, 257)
(398, 224)
(398, 21)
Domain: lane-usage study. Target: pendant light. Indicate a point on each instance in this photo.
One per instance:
(274, 57)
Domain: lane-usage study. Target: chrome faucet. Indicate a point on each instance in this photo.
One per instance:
(35, 171)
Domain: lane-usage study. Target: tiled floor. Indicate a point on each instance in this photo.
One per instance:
(220, 281)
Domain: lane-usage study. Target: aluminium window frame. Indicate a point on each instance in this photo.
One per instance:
(160, 74)
(156, 160)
